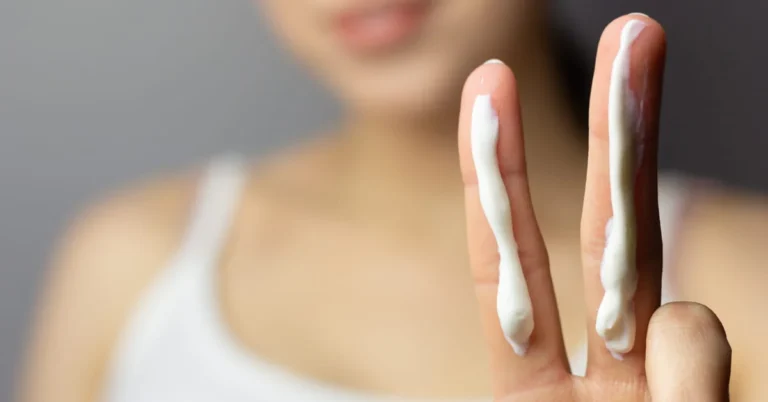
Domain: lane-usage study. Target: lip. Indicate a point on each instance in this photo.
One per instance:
(380, 26)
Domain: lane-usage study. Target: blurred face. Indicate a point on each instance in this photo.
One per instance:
(401, 57)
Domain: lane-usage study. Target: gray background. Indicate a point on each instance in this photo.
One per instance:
(95, 93)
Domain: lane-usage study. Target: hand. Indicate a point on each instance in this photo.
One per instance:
(681, 352)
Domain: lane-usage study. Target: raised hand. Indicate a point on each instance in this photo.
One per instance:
(638, 351)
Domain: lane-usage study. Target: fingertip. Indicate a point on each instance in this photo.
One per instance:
(687, 316)
(614, 27)
(487, 78)
(688, 325)
(651, 23)
(496, 80)
(688, 353)
(494, 61)
(651, 41)
(647, 60)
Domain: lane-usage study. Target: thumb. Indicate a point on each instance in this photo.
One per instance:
(688, 357)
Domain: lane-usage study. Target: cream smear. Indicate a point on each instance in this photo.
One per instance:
(616, 317)
(513, 302)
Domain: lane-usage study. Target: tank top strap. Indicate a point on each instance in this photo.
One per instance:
(216, 202)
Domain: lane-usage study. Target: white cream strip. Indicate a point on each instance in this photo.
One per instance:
(618, 273)
(513, 302)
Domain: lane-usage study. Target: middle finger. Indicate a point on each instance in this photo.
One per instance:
(631, 52)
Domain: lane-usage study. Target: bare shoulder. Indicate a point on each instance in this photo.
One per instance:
(108, 255)
(132, 225)
(116, 243)
(723, 263)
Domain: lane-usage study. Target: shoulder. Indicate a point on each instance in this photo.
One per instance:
(723, 263)
(127, 231)
(115, 246)
(106, 257)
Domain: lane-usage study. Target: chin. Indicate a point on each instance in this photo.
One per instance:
(404, 58)
(404, 106)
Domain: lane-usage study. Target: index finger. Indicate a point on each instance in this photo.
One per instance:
(491, 92)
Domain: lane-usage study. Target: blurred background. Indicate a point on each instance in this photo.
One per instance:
(94, 94)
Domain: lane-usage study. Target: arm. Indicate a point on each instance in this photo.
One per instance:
(107, 257)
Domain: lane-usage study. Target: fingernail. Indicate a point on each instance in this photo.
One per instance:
(640, 14)
(494, 61)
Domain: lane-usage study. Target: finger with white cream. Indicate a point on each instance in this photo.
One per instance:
(620, 231)
(507, 257)
(513, 303)
(618, 273)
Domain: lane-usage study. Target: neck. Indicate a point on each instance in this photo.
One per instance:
(405, 156)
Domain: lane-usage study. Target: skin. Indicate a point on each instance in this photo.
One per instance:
(543, 374)
(413, 248)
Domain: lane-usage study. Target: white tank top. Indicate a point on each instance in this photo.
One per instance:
(176, 347)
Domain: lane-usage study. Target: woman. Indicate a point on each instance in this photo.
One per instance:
(338, 271)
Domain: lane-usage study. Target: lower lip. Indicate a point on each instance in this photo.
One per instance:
(381, 30)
